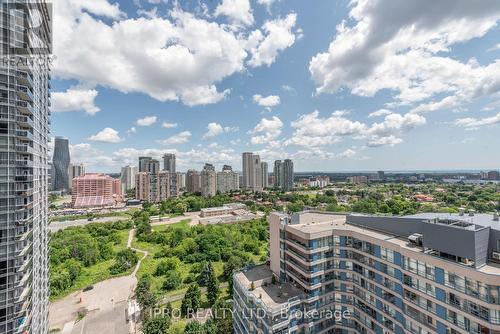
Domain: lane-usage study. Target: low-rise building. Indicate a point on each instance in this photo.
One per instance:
(226, 209)
(95, 190)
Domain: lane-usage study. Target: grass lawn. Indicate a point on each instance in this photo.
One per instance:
(125, 214)
(96, 273)
(183, 223)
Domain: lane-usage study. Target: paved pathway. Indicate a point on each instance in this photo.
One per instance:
(106, 304)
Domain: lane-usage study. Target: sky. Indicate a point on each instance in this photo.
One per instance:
(334, 85)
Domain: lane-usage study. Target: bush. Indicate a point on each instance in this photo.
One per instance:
(173, 280)
(124, 260)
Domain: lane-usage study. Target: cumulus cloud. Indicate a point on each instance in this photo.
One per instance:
(380, 112)
(215, 129)
(471, 123)
(401, 46)
(268, 101)
(180, 138)
(168, 125)
(239, 12)
(146, 121)
(160, 56)
(106, 135)
(390, 140)
(266, 131)
(278, 35)
(91, 157)
(75, 99)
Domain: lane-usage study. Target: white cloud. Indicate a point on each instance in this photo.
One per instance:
(106, 135)
(238, 11)
(471, 123)
(268, 102)
(131, 130)
(391, 140)
(168, 125)
(279, 36)
(396, 122)
(215, 129)
(91, 157)
(157, 56)
(401, 46)
(75, 99)
(266, 131)
(146, 121)
(180, 138)
(380, 112)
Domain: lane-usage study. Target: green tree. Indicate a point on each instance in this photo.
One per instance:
(124, 260)
(192, 299)
(212, 288)
(173, 280)
(156, 325)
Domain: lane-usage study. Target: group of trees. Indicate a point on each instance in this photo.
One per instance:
(76, 248)
(186, 203)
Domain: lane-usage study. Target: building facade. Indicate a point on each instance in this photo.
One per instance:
(127, 177)
(424, 273)
(264, 167)
(193, 181)
(24, 166)
(95, 190)
(208, 181)
(283, 174)
(155, 187)
(169, 162)
(227, 180)
(75, 171)
(60, 161)
(252, 172)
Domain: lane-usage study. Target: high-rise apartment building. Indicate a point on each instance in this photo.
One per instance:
(181, 180)
(128, 177)
(208, 181)
(252, 172)
(153, 166)
(144, 164)
(60, 161)
(169, 162)
(24, 166)
(95, 190)
(75, 171)
(424, 273)
(265, 174)
(227, 180)
(193, 181)
(283, 174)
(155, 187)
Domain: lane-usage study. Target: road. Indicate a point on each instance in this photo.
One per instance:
(56, 226)
(106, 304)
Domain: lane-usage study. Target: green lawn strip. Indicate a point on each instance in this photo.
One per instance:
(183, 223)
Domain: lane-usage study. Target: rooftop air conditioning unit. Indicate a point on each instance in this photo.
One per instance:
(495, 255)
(415, 239)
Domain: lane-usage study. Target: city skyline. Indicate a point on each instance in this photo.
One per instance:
(282, 86)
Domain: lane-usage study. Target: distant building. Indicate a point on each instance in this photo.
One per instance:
(319, 181)
(95, 190)
(75, 171)
(357, 179)
(155, 187)
(381, 175)
(208, 181)
(169, 162)
(283, 174)
(227, 180)
(128, 177)
(493, 175)
(181, 180)
(60, 162)
(226, 209)
(252, 172)
(153, 166)
(265, 174)
(193, 181)
(144, 164)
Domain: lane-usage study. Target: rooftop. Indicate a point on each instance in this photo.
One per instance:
(271, 295)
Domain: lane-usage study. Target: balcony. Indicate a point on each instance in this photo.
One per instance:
(24, 93)
(25, 78)
(24, 134)
(24, 121)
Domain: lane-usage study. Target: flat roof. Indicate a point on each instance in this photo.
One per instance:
(480, 219)
(272, 295)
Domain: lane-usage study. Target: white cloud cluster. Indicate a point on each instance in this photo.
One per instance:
(181, 57)
(268, 101)
(266, 131)
(75, 99)
(215, 129)
(168, 125)
(471, 123)
(180, 138)
(146, 121)
(239, 12)
(278, 35)
(106, 135)
(402, 45)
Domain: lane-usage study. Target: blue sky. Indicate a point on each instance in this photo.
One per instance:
(334, 85)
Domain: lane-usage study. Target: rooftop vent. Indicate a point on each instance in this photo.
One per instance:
(415, 239)
(496, 216)
(471, 212)
(461, 211)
